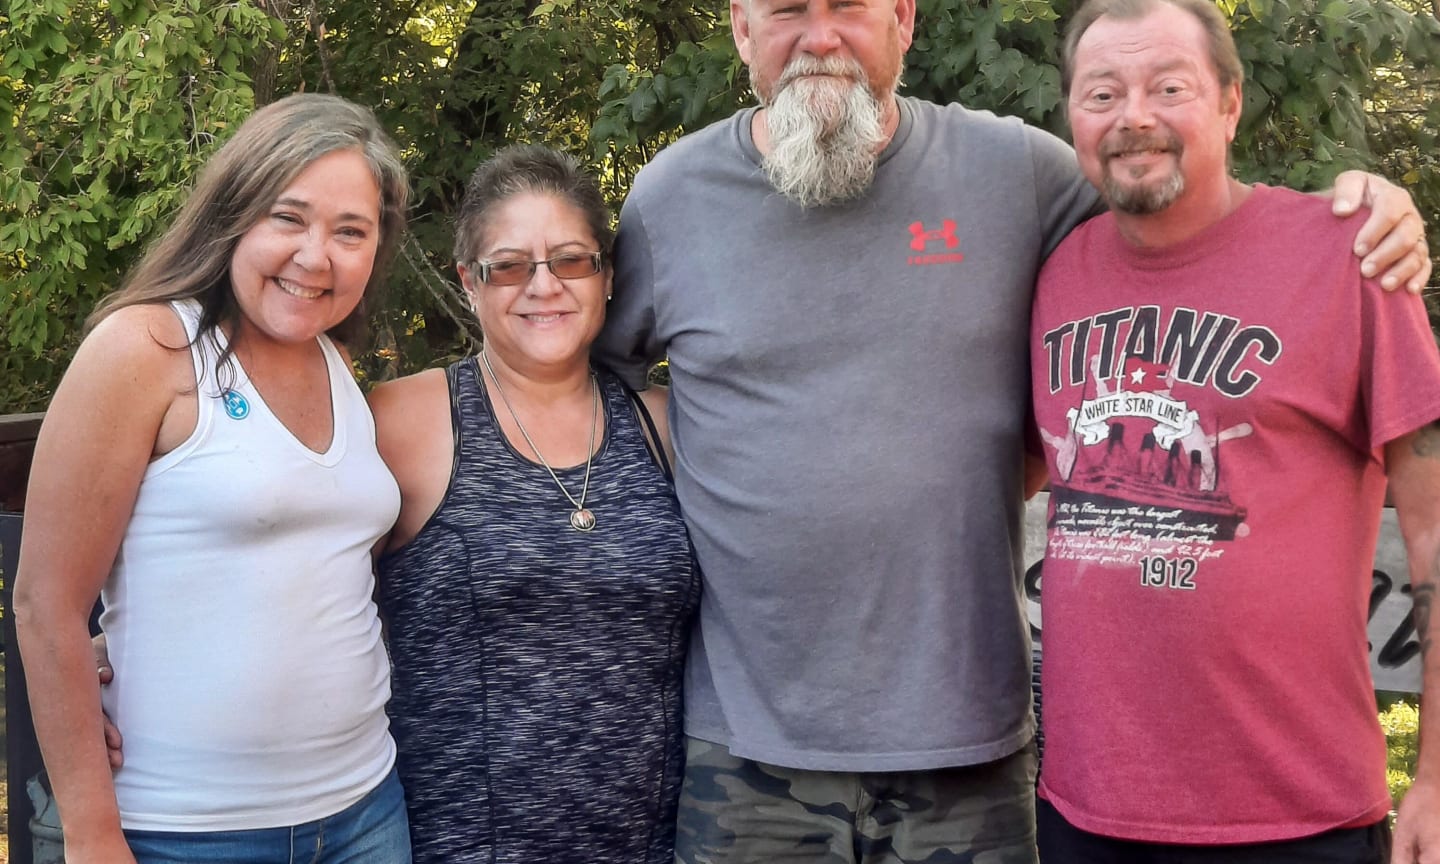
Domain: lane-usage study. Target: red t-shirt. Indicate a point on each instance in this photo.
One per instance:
(1214, 416)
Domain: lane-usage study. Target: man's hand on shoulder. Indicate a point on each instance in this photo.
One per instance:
(1391, 243)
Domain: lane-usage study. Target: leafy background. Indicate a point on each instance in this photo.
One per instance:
(108, 107)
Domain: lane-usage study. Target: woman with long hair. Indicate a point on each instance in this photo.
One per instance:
(209, 469)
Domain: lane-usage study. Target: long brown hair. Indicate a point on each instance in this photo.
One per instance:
(191, 260)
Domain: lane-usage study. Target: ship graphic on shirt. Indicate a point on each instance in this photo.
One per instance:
(1136, 466)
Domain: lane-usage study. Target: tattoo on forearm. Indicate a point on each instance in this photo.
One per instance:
(1426, 443)
(1424, 598)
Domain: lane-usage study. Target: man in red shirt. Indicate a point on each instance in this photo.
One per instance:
(1223, 397)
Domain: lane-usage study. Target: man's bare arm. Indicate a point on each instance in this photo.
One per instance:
(1413, 465)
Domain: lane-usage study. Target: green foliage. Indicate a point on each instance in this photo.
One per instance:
(108, 107)
(695, 85)
(106, 110)
(1001, 56)
(1319, 74)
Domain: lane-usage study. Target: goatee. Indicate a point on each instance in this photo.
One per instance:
(1142, 199)
(826, 132)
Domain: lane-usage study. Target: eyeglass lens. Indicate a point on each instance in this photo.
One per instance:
(571, 265)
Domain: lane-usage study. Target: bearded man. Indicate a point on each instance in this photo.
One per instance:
(842, 278)
(1229, 323)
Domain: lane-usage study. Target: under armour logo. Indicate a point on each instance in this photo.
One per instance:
(921, 237)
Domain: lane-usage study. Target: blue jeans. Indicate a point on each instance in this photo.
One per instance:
(373, 830)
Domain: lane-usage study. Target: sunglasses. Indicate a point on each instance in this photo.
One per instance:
(515, 271)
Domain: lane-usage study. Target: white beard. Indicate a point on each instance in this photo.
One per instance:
(825, 133)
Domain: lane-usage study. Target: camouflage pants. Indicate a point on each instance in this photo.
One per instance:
(735, 811)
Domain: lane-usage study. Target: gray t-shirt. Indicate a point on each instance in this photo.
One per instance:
(849, 390)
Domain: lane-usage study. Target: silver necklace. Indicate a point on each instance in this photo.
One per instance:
(581, 519)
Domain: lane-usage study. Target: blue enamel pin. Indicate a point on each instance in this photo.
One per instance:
(235, 405)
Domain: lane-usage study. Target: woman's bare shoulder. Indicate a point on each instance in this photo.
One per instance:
(412, 415)
(143, 330)
(396, 398)
(140, 350)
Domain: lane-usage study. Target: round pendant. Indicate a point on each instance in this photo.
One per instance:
(582, 520)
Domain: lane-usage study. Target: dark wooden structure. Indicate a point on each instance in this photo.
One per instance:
(17, 445)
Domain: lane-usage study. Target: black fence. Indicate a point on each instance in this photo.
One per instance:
(22, 756)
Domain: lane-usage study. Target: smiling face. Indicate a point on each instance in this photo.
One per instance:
(543, 324)
(303, 268)
(1151, 123)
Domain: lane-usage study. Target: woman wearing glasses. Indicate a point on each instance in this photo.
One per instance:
(539, 583)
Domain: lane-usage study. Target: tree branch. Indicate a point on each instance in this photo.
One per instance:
(265, 68)
(317, 28)
(440, 288)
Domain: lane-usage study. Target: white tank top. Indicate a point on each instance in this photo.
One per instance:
(250, 676)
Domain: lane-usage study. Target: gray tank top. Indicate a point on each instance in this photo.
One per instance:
(537, 670)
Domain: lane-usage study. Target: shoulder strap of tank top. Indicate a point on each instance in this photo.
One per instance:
(453, 384)
(204, 349)
(652, 436)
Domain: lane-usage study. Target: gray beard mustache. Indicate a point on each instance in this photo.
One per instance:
(825, 139)
(1143, 200)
